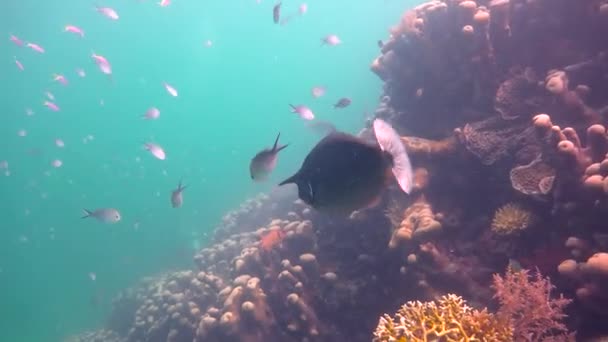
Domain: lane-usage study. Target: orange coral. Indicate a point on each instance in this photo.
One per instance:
(448, 320)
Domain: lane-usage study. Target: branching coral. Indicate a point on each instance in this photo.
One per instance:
(511, 219)
(448, 320)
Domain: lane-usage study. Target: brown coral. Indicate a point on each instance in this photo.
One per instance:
(424, 147)
(491, 140)
(418, 224)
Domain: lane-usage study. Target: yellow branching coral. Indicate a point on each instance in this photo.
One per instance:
(449, 320)
(511, 218)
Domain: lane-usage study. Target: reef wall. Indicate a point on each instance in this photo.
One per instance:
(502, 106)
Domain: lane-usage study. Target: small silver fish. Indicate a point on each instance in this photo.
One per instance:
(105, 215)
(177, 198)
(265, 161)
(343, 103)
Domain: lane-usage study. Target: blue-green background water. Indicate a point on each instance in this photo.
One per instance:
(232, 101)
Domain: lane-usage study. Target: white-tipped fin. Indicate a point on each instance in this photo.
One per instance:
(390, 141)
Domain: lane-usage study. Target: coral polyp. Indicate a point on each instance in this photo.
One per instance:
(511, 219)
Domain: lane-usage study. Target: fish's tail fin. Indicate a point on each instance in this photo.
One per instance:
(280, 148)
(276, 148)
(293, 108)
(293, 179)
(180, 185)
(276, 142)
(390, 142)
(87, 213)
(305, 191)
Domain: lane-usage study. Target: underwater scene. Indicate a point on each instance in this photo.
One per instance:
(314, 171)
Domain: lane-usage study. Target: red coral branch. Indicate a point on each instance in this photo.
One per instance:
(526, 301)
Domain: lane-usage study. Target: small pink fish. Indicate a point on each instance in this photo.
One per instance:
(99, 59)
(80, 72)
(35, 47)
(59, 143)
(52, 106)
(303, 8)
(264, 162)
(105, 68)
(108, 12)
(177, 195)
(303, 111)
(331, 39)
(61, 79)
(152, 114)
(164, 3)
(318, 91)
(50, 95)
(56, 163)
(171, 90)
(16, 40)
(156, 150)
(74, 29)
(19, 65)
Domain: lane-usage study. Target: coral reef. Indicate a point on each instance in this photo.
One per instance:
(497, 102)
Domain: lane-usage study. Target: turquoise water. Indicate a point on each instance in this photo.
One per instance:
(233, 100)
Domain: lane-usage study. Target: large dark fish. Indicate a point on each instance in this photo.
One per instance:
(343, 173)
(265, 161)
(276, 13)
(343, 103)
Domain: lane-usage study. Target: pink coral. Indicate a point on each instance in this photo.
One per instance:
(525, 300)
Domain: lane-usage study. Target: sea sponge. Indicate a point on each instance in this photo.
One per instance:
(448, 320)
(511, 219)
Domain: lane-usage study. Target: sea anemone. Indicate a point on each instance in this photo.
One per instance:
(510, 219)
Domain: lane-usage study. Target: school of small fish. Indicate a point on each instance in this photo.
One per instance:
(390, 152)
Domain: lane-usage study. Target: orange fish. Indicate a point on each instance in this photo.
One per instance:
(271, 239)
